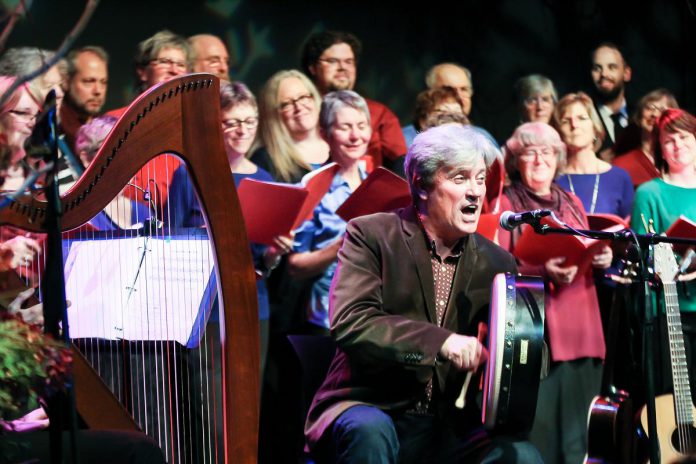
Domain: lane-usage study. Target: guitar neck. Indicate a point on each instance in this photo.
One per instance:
(683, 405)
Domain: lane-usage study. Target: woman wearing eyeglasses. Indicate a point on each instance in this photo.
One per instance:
(17, 120)
(292, 145)
(239, 123)
(536, 98)
(636, 144)
(535, 155)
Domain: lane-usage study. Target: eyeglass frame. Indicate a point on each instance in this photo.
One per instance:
(539, 99)
(654, 107)
(333, 62)
(293, 102)
(252, 122)
(531, 154)
(167, 62)
(215, 61)
(25, 116)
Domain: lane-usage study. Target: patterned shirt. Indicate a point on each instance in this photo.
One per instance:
(443, 278)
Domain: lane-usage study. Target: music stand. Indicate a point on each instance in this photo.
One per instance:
(644, 243)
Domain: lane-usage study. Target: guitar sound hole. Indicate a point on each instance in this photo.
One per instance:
(688, 444)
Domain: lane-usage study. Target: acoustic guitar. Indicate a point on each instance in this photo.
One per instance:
(674, 413)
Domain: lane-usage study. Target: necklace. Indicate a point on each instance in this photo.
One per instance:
(594, 191)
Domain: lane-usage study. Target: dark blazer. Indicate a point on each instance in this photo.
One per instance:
(382, 309)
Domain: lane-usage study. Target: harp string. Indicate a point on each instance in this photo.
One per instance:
(171, 117)
(160, 382)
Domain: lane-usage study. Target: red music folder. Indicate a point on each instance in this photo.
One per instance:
(317, 184)
(495, 180)
(683, 228)
(381, 191)
(271, 209)
(602, 221)
(536, 249)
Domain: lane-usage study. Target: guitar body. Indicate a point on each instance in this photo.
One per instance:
(670, 449)
(609, 430)
(611, 434)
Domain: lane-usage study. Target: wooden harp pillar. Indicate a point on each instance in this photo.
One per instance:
(182, 116)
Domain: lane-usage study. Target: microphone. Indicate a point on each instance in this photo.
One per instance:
(39, 145)
(510, 220)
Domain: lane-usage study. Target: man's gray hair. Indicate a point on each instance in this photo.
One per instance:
(447, 146)
(532, 86)
(334, 101)
(21, 61)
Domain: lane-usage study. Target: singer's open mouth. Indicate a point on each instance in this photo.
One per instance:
(470, 209)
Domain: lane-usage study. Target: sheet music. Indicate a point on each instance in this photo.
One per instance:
(120, 289)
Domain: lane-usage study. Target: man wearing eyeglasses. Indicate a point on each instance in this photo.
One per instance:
(454, 76)
(458, 78)
(330, 59)
(210, 55)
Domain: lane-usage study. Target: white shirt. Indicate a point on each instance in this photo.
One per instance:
(605, 113)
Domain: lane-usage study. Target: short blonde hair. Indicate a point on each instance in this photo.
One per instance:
(151, 47)
(585, 101)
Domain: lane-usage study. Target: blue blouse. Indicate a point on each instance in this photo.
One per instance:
(317, 233)
(185, 211)
(614, 191)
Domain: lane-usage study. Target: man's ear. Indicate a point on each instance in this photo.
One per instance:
(312, 70)
(628, 72)
(141, 72)
(420, 191)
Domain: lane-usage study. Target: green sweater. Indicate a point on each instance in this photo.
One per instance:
(664, 203)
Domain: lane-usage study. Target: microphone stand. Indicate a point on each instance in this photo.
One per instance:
(60, 407)
(27, 186)
(643, 242)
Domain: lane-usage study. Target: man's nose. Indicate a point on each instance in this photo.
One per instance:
(476, 190)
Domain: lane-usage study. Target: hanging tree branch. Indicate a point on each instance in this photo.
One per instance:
(62, 50)
(19, 10)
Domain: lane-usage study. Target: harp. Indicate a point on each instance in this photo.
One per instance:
(179, 117)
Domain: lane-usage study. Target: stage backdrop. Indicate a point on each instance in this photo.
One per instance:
(499, 40)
